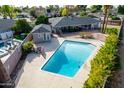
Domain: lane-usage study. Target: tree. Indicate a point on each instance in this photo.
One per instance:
(53, 8)
(41, 20)
(56, 8)
(25, 9)
(82, 7)
(7, 11)
(60, 11)
(83, 13)
(106, 10)
(0, 9)
(65, 11)
(17, 10)
(33, 13)
(96, 8)
(121, 9)
(21, 26)
(36, 11)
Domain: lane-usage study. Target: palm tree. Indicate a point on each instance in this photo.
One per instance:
(109, 8)
(106, 9)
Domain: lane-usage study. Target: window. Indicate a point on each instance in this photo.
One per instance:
(39, 36)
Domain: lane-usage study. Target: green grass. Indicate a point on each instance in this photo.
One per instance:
(20, 37)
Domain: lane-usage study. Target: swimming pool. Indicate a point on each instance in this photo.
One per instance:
(69, 58)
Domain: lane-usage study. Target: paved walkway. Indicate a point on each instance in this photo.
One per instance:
(118, 81)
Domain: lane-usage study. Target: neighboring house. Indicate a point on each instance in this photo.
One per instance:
(23, 15)
(5, 27)
(41, 33)
(48, 13)
(114, 11)
(96, 15)
(6, 24)
(6, 36)
(86, 23)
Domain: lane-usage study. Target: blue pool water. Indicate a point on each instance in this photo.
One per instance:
(69, 58)
(1, 45)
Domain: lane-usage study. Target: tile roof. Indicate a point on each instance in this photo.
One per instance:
(72, 21)
(6, 24)
(42, 28)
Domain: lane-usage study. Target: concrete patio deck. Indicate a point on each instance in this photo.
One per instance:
(32, 76)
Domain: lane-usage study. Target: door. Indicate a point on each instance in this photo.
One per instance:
(47, 37)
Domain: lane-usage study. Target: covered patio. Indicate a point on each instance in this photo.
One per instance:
(74, 24)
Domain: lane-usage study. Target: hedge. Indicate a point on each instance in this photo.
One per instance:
(112, 31)
(104, 63)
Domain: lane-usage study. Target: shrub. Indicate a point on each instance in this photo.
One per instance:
(18, 37)
(21, 26)
(41, 20)
(112, 30)
(83, 14)
(86, 35)
(27, 47)
(115, 18)
(104, 63)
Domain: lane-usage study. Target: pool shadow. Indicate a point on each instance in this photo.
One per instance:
(55, 64)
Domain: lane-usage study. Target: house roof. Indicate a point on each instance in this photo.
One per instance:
(98, 15)
(6, 24)
(42, 28)
(72, 21)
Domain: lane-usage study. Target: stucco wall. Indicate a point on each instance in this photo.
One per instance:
(15, 56)
(38, 37)
(12, 61)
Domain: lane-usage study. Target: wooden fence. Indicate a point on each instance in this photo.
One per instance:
(114, 22)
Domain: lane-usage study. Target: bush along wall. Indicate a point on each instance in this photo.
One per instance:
(27, 47)
(112, 31)
(105, 62)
